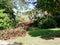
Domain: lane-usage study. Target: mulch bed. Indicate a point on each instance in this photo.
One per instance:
(12, 33)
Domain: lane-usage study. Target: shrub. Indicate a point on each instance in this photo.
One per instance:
(49, 23)
(43, 22)
(4, 20)
(57, 19)
(38, 21)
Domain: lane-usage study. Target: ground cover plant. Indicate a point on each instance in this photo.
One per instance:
(44, 33)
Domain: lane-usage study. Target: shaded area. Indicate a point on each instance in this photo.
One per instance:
(45, 33)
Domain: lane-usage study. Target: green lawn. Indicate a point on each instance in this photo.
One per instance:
(31, 40)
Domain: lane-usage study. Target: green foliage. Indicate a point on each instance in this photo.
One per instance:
(17, 19)
(57, 19)
(53, 7)
(4, 20)
(49, 23)
(5, 4)
(39, 20)
(44, 33)
(31, 28)
(49, 5)
(43, 22)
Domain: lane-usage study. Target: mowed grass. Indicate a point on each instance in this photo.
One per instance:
(37, 40)
(45, 32)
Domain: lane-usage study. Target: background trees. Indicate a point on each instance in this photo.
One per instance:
(52, 6)
(7, 18)
(5, 4)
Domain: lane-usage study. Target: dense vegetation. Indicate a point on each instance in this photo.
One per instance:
(51, 19)
(4, 20)
(35, 21)
(6, 4)
(52, 6)
(44, 33)
(7, 18)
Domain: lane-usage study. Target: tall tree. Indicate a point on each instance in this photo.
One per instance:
(52, 6)
(5, 4)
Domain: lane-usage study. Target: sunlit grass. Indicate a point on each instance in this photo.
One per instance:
(55, 29)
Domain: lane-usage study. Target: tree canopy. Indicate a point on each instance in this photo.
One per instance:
(6, 4)
(51, 6)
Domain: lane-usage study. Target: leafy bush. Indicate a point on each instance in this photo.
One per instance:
(39, 20)
(57, 19)
(4, 20)
(49, 23)
(43, 22)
